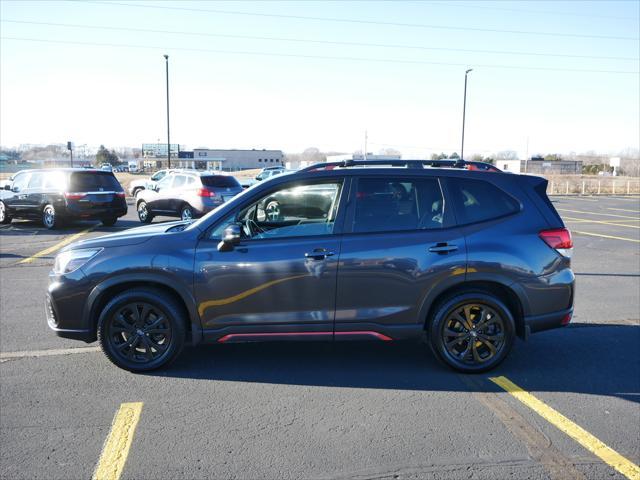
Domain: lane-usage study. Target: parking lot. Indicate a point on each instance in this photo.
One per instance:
(331, 411)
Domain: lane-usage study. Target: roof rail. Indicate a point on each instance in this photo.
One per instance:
(450, 163)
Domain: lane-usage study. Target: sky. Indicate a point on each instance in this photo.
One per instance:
(548, 76)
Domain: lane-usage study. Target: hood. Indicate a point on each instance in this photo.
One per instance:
(131, 236)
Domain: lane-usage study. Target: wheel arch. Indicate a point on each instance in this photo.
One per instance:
(105, 291)
(504, 292)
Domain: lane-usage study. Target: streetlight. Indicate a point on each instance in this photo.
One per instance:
(166, 62)
(464, 111)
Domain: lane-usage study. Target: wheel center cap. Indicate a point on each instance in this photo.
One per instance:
(139, 332)
(473, 333)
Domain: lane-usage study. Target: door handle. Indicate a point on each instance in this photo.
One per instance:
(443, 248)
(319, 254)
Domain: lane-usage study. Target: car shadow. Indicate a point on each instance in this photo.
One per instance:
(599, 359)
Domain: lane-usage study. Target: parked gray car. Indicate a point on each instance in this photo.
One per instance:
(466, 260)
(186, 194)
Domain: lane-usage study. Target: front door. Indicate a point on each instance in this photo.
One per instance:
(399, 242)
(279, 283)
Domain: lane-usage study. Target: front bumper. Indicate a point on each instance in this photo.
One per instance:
(64, 306)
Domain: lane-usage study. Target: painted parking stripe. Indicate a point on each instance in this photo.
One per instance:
(57, 246)
(600, 222)
(612, 458)
(624, 210)
(596, 213)
(605, 236)
(47, 353)
(116, 447)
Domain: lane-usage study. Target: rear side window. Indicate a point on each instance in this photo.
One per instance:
(397, 204)
(179, 181)
(93, 181)
(36, 180)
(220, 181)
(477, 200)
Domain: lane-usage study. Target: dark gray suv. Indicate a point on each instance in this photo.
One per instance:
(467, 260)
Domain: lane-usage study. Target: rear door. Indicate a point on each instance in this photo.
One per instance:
(400, 242)
(94, 191)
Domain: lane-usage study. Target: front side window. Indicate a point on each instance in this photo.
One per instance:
(398, 204)
(289, 212)
(477, 200)
(165, 182)
(20, 182)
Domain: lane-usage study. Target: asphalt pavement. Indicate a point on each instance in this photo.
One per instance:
(361, 410)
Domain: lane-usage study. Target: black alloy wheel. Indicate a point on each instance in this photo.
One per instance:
(472, 332)
(141, 330)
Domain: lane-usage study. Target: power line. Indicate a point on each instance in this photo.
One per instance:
(315, 41)
(317, 57)
(364, 22)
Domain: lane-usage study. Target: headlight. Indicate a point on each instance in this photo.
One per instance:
(67, 262)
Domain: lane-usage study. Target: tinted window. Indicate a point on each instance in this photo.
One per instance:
(93, 181)
(55, 181)
(393, 204)
(220, 181)
(36, 180)
(477, 200)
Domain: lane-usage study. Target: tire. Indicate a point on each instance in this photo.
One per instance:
(273, 211)
(141, 330)
(5, 218)
(144, 212)
(472, 350)
(109, 222)
(186, 213)
(49, 218)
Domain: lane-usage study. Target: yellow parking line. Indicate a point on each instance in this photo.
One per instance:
(116, 447)
(57, 246)
(612, 458)
(625, 210)
(596, 213)
(605, 236)
(583, 220)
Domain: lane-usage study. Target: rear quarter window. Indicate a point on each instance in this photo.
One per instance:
(93, 181)
(219, 181)
(478, 201)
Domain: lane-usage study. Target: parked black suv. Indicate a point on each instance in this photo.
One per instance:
(465, 259)
(56, 195)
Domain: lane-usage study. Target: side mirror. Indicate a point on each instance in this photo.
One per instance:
(230, 238)
(15, 189)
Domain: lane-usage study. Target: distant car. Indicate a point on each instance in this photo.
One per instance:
(106, 167)
(269, 172)
(56, 195)
(185, 194)
(144, 183)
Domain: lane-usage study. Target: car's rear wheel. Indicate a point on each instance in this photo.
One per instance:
(141, 330)
(49, 217)
(4, 215)
(273, 211)
(472, 332)
(144, 213)
(186, 213)
(109, 221)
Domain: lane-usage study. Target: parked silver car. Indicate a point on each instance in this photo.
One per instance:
(186, 194)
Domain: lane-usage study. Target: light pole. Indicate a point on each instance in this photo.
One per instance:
(166, 62)
(464, 111)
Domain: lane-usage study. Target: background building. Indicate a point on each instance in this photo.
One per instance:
(541, 166)
(229, 160)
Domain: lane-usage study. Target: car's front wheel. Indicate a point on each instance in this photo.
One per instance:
(144, 213)
(141, 330)
(4, 215)
(472, 332)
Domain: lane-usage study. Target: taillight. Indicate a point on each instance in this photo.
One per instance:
(559, 239)
(120, 194)
(74, 195)
(203, 192)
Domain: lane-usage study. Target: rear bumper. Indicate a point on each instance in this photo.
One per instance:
(95, 213)
(539, 323)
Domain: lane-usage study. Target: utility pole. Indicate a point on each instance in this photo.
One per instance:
(464, 111)
(70, 148)
(166, 62)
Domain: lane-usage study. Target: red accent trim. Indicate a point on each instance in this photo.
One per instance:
(230, 336)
